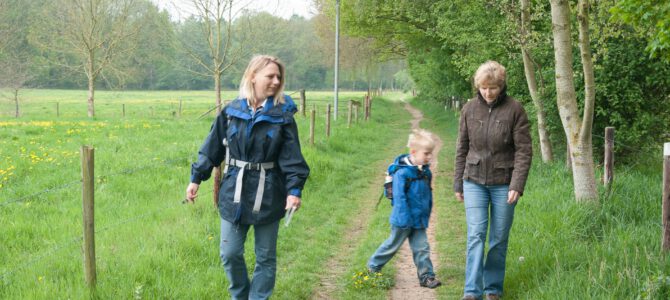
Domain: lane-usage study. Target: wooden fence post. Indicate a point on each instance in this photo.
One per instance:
(311, 126)
(180, 106)
(57, 109)
(349, 111)
(666, 197)
(328, 120)
(88, 180)
(123, 110)
(608, 173)
(303, 103)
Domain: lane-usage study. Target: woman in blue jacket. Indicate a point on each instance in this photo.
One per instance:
(258, 137)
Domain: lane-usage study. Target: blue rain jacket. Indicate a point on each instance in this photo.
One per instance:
(271, 135)
(412, 194)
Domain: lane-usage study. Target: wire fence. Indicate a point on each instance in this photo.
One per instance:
(51, 252)
(77, 240)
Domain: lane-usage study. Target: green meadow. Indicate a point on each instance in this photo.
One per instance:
(149, 245)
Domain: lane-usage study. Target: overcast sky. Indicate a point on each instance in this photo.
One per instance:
(281, 8)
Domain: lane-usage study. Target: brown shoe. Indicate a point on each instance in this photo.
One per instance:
(492, 297)
(430, 282)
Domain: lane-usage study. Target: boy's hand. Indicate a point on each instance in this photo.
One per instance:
(459, 197)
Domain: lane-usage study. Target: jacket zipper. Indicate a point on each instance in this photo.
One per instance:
(488, 145)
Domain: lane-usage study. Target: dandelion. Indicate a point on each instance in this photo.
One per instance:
(40, 278)
(210, 237)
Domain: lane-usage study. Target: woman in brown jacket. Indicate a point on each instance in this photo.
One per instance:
(493, 157)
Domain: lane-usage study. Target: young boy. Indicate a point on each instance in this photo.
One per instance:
(412, 203)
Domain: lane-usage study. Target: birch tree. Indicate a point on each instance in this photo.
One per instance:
(535, 93)
(577, 129)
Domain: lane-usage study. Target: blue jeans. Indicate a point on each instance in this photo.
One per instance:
(232, 255)
(484, 203)
(418, 242)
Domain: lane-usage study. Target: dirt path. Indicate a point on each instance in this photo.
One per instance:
(328, 286)
(406, 282)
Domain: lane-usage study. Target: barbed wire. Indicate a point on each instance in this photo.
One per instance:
(40, 257)
(618, 143)
(70, 242)
(99, 177)
(45, 191)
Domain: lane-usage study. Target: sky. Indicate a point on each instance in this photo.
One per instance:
(281, 8)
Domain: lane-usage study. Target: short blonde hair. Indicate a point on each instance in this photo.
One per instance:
(421, 139)
(492, 72)
(257, 63)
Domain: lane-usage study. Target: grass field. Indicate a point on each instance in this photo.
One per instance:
(149, 245)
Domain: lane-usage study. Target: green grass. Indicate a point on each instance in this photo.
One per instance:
(149, 245)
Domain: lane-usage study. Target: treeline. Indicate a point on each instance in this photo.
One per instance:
(156, 51)
(444, 42)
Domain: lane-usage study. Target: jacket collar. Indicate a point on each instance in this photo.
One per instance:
(499, 100)
(239, 108)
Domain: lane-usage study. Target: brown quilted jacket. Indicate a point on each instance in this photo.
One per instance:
(494, 145)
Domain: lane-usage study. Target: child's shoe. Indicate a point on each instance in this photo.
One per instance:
(431, 283)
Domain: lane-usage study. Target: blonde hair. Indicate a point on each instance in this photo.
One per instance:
(492, 72)
(257, 63)
(421, 139)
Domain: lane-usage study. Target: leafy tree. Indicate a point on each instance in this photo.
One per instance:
(651, 17)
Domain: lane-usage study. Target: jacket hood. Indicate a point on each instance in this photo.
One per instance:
(402, 162)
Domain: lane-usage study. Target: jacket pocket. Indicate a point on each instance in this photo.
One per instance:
(503, 169)
(502, 132)
(472, 166)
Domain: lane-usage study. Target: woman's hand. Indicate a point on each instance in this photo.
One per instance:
(292, 201)
(192, 192)
(459, 196)
(512, 197)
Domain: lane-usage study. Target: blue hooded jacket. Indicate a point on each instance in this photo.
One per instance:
(269, 136)
(412, 195)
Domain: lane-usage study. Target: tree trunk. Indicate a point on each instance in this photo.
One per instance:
(579, 140)
(91, 83)
(217, 170)
(587, 63)
(217, 89)
(16, 102)
(529, 69)
(91, 96)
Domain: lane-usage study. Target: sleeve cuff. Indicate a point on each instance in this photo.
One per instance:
(295, 192)
(195, 179)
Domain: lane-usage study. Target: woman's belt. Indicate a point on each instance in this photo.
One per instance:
(244, 165)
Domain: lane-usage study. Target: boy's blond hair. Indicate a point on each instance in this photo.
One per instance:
(421, 139)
